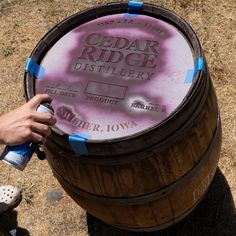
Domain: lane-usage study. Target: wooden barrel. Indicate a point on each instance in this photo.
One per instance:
(138, 136)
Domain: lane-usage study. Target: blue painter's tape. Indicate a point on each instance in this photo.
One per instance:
(33, 68)
(199, 65)
(22, 149)
(78, 143)
(189, 77)
(134, 7)
(85, 136)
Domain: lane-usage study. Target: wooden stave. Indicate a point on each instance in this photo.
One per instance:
(166, 202)
(143, 198)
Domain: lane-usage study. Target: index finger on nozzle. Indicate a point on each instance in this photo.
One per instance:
(38, 99)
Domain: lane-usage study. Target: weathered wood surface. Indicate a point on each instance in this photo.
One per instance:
(169, 168)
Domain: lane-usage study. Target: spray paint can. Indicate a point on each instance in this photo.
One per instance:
(18, 156)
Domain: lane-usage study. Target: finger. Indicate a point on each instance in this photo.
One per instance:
(39, 98)
(41, 129)
(45, 118)
(38, 138)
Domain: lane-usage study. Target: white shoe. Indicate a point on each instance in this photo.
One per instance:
(10, 197)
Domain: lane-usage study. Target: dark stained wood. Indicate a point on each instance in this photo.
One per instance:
(146, 171)
(186, 196)
(154, 213)
(156, 178)
(159, 211)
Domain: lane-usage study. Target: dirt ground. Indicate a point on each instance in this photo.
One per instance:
(22, 24)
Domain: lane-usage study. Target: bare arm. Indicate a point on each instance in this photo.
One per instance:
(25, 123)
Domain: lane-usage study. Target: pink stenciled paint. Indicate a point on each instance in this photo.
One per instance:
(116, 76)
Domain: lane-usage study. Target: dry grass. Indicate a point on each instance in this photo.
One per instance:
(23, 23)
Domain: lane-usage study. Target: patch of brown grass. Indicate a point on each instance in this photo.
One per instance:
(23, 23)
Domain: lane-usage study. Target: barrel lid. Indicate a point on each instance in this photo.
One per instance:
(116, 76)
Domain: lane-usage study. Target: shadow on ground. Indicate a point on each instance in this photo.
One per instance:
(214, 216)
(9, 225)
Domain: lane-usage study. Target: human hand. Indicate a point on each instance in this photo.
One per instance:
(26, 124)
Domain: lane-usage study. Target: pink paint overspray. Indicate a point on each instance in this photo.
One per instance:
(116, 76)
